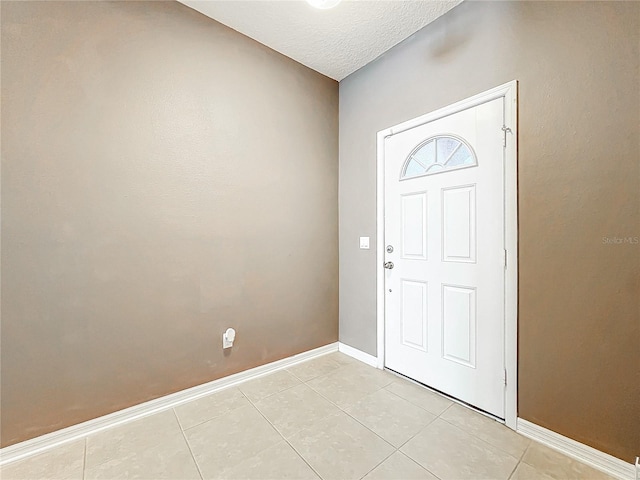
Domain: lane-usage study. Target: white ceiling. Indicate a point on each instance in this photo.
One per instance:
(334, 42)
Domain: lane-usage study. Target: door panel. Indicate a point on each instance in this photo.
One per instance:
(444, 216)
(459, 324)
(459, 224)
(414, 314)
(414, 226)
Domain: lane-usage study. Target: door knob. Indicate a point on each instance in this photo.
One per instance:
(388, 265)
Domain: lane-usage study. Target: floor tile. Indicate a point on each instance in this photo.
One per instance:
(295, 409)
(205, 408)
(527, 472)
(65, 462)
(167, 460)
(279, 462)
(349, 384)
(239, 433)
(420, 396)
(224, 442)
(116, 443)
(450, 453)
(320, 366)
(262, 387)
(399, 466)
(338, 447)
(559, 466)
(487, 429)
(392, 417)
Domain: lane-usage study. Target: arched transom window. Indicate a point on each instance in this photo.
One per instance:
(438, 154)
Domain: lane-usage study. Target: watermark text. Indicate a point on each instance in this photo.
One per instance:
(615, 240)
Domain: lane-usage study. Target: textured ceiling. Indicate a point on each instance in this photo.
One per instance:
(334, 42)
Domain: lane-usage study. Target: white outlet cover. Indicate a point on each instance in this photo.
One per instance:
(364, 243)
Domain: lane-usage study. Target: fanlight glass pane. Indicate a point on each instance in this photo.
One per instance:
(426, 154)
(438, 154)
(414, 169)
(462, 156)
(436, 167)
(446, 146)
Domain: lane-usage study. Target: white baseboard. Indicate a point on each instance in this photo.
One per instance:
(358, 355)
(75, 432)
(594, 458)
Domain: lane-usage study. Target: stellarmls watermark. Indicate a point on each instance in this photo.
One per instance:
(615, 240)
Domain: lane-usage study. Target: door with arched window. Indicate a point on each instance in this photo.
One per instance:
(444, 239)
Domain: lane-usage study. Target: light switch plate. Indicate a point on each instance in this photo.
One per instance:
(364, 243)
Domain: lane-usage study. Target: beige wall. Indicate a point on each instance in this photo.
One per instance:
(579, 181)
(163, 178)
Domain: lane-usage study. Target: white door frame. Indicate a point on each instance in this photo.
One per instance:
(510, 93)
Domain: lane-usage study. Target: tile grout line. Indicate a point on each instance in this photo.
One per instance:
(316, 376)
(414, 436)
(193, 457)
(420, 431)
(438, 416)
(420, 406)
(420, 465)
(274, 393)
(175, 412)
(237, 387)
(443, 411)
(305, 383)
(459, 428)
(435, 417)
(343, 410)
(520, 460)
(251, 403)
(320, 393)
(377, 465)
(340, 410)
(302, 382)
(478, 438)
(317, 420)
(395, 449)
(452, 400)
(283, 437)
(513, 471)
(212, 418)
(294, 375)
(365, 426)
(303, 459)
(483, 440)
(333, 371)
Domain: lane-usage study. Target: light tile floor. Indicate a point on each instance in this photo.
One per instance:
(331, 418)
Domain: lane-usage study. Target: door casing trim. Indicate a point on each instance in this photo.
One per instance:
(510, 93)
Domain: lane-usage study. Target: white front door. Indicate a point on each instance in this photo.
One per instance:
(444, 235)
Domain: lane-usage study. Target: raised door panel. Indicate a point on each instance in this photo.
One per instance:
(413, 314)
(459, 224)
(414, 226)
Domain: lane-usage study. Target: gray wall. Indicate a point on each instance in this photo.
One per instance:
(163, 178)
(579, 178)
